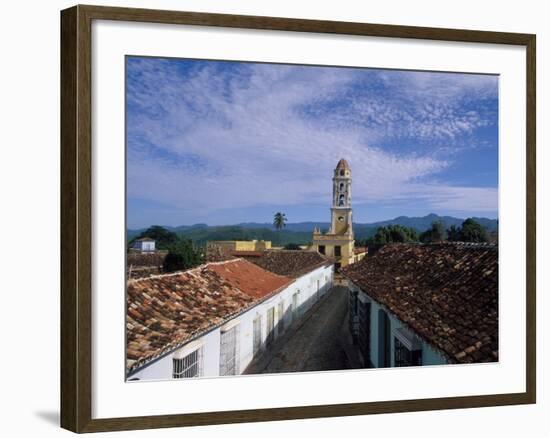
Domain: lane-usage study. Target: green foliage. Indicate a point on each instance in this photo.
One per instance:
(279, 220)
(182, 255)
(292, 246)
(454, 234)
(391, 234)
(200, 236)
(163, 237)
(436, 233)
(471, 231)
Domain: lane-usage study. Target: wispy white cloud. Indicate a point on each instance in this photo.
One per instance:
(211, 136)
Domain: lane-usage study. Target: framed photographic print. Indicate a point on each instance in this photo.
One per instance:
(303, 218)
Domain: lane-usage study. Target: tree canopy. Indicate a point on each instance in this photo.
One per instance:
(279, 220)
(182, 255)
(436, 233)
(163, 237)
(470, 231)
(293, 246)
(393, 234)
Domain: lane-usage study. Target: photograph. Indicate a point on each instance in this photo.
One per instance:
(274, 218)
(287, 218)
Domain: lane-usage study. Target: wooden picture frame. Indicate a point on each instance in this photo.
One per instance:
(76, 217)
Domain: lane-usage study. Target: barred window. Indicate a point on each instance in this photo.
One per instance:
(257, 334)
(405, 357)
(364, 332)
(187, 366)
(295, 298)
(281, 312)
(229, 352)
(270, 325)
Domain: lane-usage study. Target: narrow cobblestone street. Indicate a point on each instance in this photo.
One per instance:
(314, 343)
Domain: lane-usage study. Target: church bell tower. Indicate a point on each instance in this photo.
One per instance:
(338, 243)
(341, 221)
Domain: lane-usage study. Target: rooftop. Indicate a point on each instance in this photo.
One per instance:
(166, 311)
(290, 263)
(446, 293)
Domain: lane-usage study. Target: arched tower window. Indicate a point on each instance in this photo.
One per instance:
(341, 200)
(342, 172)
(341, 187)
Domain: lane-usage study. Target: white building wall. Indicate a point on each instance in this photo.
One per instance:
(147, 246)
(311, 287)
(144, 245)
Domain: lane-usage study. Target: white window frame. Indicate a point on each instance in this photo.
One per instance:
(226, 330)
(257, 330)
(295, 304)
(181, 361)
(281, 322)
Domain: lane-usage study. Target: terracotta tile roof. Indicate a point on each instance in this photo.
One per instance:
(167, 311)
(446, 293)
(290, 263)
(251, 279)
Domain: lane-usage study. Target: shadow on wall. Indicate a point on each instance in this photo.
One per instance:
(290, 320)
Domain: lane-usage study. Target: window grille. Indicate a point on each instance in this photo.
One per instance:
(281, 317)
(229, 359)
(405, 357)
(364, 313)
(257, 334)
(295, 305)
(270, 325)
(187, 366)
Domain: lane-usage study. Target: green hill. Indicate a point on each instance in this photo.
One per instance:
(300, 233)
(232, 232)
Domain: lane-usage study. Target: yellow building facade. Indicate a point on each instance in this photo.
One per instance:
(241, 245)
(338, 243)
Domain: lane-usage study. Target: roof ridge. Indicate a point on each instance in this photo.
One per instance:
(187, 271)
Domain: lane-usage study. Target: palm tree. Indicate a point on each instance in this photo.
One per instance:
(279, 220)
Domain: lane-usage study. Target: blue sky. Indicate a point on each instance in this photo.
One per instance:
(226, 142)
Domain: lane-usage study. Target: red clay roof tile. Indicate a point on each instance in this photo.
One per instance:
(446, 293)
(166, 311)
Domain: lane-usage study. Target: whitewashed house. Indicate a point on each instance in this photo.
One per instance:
(214, 319)
(433, 304)
(145, 244)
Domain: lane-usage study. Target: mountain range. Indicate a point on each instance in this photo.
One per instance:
(300, 232)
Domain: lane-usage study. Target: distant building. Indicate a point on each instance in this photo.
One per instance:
(338, 242)
(214, 319)
(414, 304)
(145, 244)
(241, 245)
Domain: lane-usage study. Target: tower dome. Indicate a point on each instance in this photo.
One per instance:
(342, 164)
